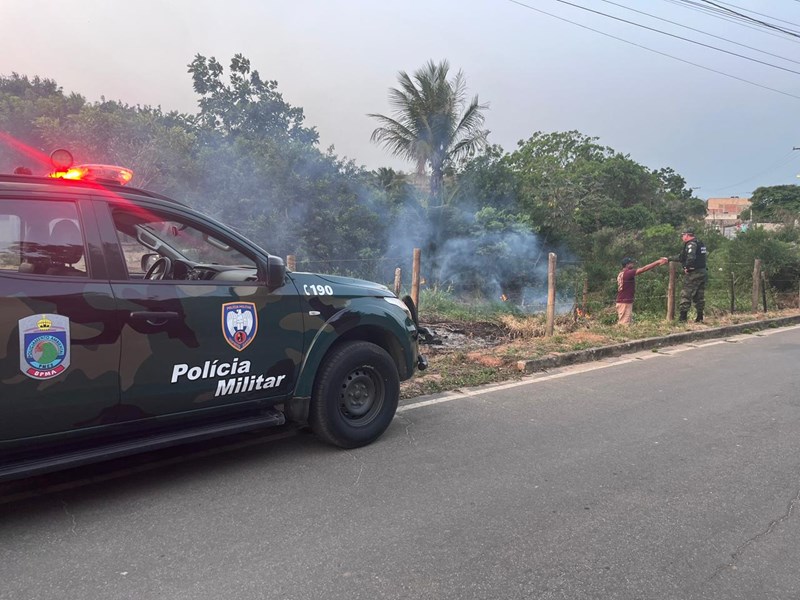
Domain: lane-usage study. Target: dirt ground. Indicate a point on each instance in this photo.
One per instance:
(474, 334)
(463, 354)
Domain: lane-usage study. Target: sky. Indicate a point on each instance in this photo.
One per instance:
(725, 123)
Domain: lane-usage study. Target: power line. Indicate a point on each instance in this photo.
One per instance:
(745, 17)
(597, 12)
(703, 32)
(760, 14)
(689, 4)
(517, 2)
(784, 160)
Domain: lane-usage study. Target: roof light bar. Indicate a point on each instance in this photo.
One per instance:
(62, 169)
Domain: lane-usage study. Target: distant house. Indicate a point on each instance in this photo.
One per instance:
(724, 214)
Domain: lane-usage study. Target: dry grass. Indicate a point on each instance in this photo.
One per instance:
(523, 327)
(475, 361)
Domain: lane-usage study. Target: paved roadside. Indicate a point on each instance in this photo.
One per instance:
(580, 356)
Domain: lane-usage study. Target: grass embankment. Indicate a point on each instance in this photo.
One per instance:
(489, 339)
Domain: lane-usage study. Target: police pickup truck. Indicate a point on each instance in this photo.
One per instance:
(130, 322)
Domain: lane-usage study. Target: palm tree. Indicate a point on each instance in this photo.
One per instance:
(434, 125)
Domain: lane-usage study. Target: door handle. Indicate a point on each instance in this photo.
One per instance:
(154, 317)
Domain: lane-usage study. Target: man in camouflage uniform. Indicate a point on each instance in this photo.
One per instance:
(693, 259)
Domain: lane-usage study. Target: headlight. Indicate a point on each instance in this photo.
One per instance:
(400, 304)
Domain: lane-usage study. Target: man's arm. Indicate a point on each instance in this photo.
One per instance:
(678, 257)
(652, 265)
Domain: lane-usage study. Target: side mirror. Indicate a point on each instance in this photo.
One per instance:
(148, 260)
(275, 272)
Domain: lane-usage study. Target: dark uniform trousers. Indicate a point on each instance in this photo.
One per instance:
(694, 290)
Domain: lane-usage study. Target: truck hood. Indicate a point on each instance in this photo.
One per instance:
(343, 285)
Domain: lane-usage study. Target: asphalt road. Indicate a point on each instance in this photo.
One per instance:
(671, 474)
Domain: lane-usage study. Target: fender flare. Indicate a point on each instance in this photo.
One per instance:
(379, 325)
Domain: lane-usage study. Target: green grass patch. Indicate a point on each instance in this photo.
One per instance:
(440, 304)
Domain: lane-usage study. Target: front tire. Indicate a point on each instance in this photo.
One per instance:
(355, 395)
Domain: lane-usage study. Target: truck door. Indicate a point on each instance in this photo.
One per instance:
(202, 333)
(59, 333)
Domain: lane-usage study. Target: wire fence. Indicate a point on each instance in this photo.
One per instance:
(580, 286)
(380, 270)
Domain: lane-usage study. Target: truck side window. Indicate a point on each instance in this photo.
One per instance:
(146, 236)
(10, 235)
(38, 237)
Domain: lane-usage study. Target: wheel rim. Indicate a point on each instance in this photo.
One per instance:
(362, 395)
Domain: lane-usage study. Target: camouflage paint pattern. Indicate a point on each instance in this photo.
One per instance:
(129, 369)
(152, 352)
(694, 290)
(89, 388)
(355, 310)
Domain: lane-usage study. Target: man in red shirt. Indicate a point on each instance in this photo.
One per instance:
(626, 287)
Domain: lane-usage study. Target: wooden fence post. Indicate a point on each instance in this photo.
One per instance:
(671, 291)
(756, 284)
(291, 262)
(764, 289)
(415, 278)
(551, 294)
(733, 295)
(397, 276)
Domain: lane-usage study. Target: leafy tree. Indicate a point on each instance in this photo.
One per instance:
(570, 187)
(488, 180)
(558, 185)
(261, 169)
(24, 104)
(774, 202)
(399, 190)
(157, 147)
(780, 259)
(293, 199)
(247, 105)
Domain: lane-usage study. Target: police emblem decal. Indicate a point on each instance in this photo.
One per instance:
(44, 346)
(239, 324)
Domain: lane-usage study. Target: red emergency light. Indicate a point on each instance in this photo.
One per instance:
(62, 164)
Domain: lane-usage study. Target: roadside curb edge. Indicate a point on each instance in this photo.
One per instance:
(579, 356)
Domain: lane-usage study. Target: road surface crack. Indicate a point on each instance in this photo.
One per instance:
(407, 423)
(361, 464)
(70, 515)
(749, 542)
